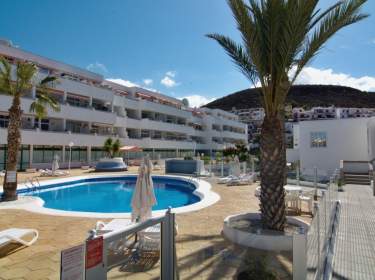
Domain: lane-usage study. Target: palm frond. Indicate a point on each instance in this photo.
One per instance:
(6, 86)
(25, 72)
(342, 15)
(238, 55)
(48, 81)
(278, 36)
(39, 109)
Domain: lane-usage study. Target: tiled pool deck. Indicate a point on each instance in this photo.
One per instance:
(201, 250)
(354, 253)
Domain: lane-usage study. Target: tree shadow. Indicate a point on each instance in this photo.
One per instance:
(223, 259)
(9, 249)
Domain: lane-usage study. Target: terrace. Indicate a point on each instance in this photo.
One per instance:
(202, 251)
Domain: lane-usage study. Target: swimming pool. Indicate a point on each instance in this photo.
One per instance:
(114, 195)
(110, 195)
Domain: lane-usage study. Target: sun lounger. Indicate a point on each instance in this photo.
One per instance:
(16, 235)
(50, 173)
(244, 179)
(227, 179)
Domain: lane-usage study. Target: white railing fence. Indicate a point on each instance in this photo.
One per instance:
(316, 244)
(167, 248)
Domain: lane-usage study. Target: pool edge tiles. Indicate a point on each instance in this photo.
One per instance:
(35, 204)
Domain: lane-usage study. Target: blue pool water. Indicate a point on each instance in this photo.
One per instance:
(113, 195)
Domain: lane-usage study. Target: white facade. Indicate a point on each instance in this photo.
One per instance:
(322, 113)
(325, 143)
(92, 109)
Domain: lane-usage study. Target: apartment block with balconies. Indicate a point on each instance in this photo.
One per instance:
(93, 109)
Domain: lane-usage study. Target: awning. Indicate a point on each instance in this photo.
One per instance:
(131, 149)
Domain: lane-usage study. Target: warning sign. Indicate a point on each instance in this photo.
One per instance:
(72, 263)
(94, 252)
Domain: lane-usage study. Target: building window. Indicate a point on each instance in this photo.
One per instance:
(318, 139)
(4, 121)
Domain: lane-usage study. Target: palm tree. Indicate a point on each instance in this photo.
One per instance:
(111, 147)
(279, 38)
(16, 83)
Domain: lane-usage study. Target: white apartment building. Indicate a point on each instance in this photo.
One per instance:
(322, 113)
(93, 109)
(253, 117)
(325, 143)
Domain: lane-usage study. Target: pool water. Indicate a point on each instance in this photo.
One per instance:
(114, 195)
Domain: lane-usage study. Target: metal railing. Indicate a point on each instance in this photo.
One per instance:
(321, 234)
(167, 247)
(32, 184)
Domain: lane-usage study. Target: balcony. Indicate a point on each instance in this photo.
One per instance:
(84, 89)
(165, 126)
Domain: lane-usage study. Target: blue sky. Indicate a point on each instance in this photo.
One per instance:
(160, 44)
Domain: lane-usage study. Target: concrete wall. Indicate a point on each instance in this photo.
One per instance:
(292, 155)
(346, 140)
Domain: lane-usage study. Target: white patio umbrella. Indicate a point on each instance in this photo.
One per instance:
(143, 197)
(55, 164)
(236, 167)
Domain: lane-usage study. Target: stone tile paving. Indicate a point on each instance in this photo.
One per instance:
(202, 252)
(354, 253)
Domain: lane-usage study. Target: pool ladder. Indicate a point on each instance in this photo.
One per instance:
(32, 184)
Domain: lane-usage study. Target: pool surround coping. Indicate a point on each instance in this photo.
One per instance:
(35, 204)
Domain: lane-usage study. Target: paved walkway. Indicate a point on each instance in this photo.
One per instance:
(354, 256)
(202, 251)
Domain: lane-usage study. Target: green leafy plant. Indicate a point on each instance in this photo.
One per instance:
(112, 148)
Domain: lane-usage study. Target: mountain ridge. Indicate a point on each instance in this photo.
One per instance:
(306, 96)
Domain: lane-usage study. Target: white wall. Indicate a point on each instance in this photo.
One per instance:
(346, 140)
(292, 155)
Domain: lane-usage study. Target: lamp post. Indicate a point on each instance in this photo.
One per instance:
(71, 144)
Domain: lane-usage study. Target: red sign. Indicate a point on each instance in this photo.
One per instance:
(94, 252)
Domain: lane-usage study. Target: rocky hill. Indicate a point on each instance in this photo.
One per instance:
(306, 96)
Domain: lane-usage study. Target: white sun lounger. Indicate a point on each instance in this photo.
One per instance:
(227, 179)
(50, 173)
(244, 179)
(16, 235)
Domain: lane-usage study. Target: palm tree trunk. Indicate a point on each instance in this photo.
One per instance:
(272, 173)
(14, 142)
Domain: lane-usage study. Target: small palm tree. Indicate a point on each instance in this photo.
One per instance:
(16, 84)
(111, 147)
(279, 38)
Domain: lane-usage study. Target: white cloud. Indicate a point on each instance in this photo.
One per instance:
(123, 82)
(148, 82)
(168, 82)
(196, 100)
(97, 67)
(311, 75)
(171, 74)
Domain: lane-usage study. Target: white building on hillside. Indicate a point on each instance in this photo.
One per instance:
(327, 142)
(93, 109)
